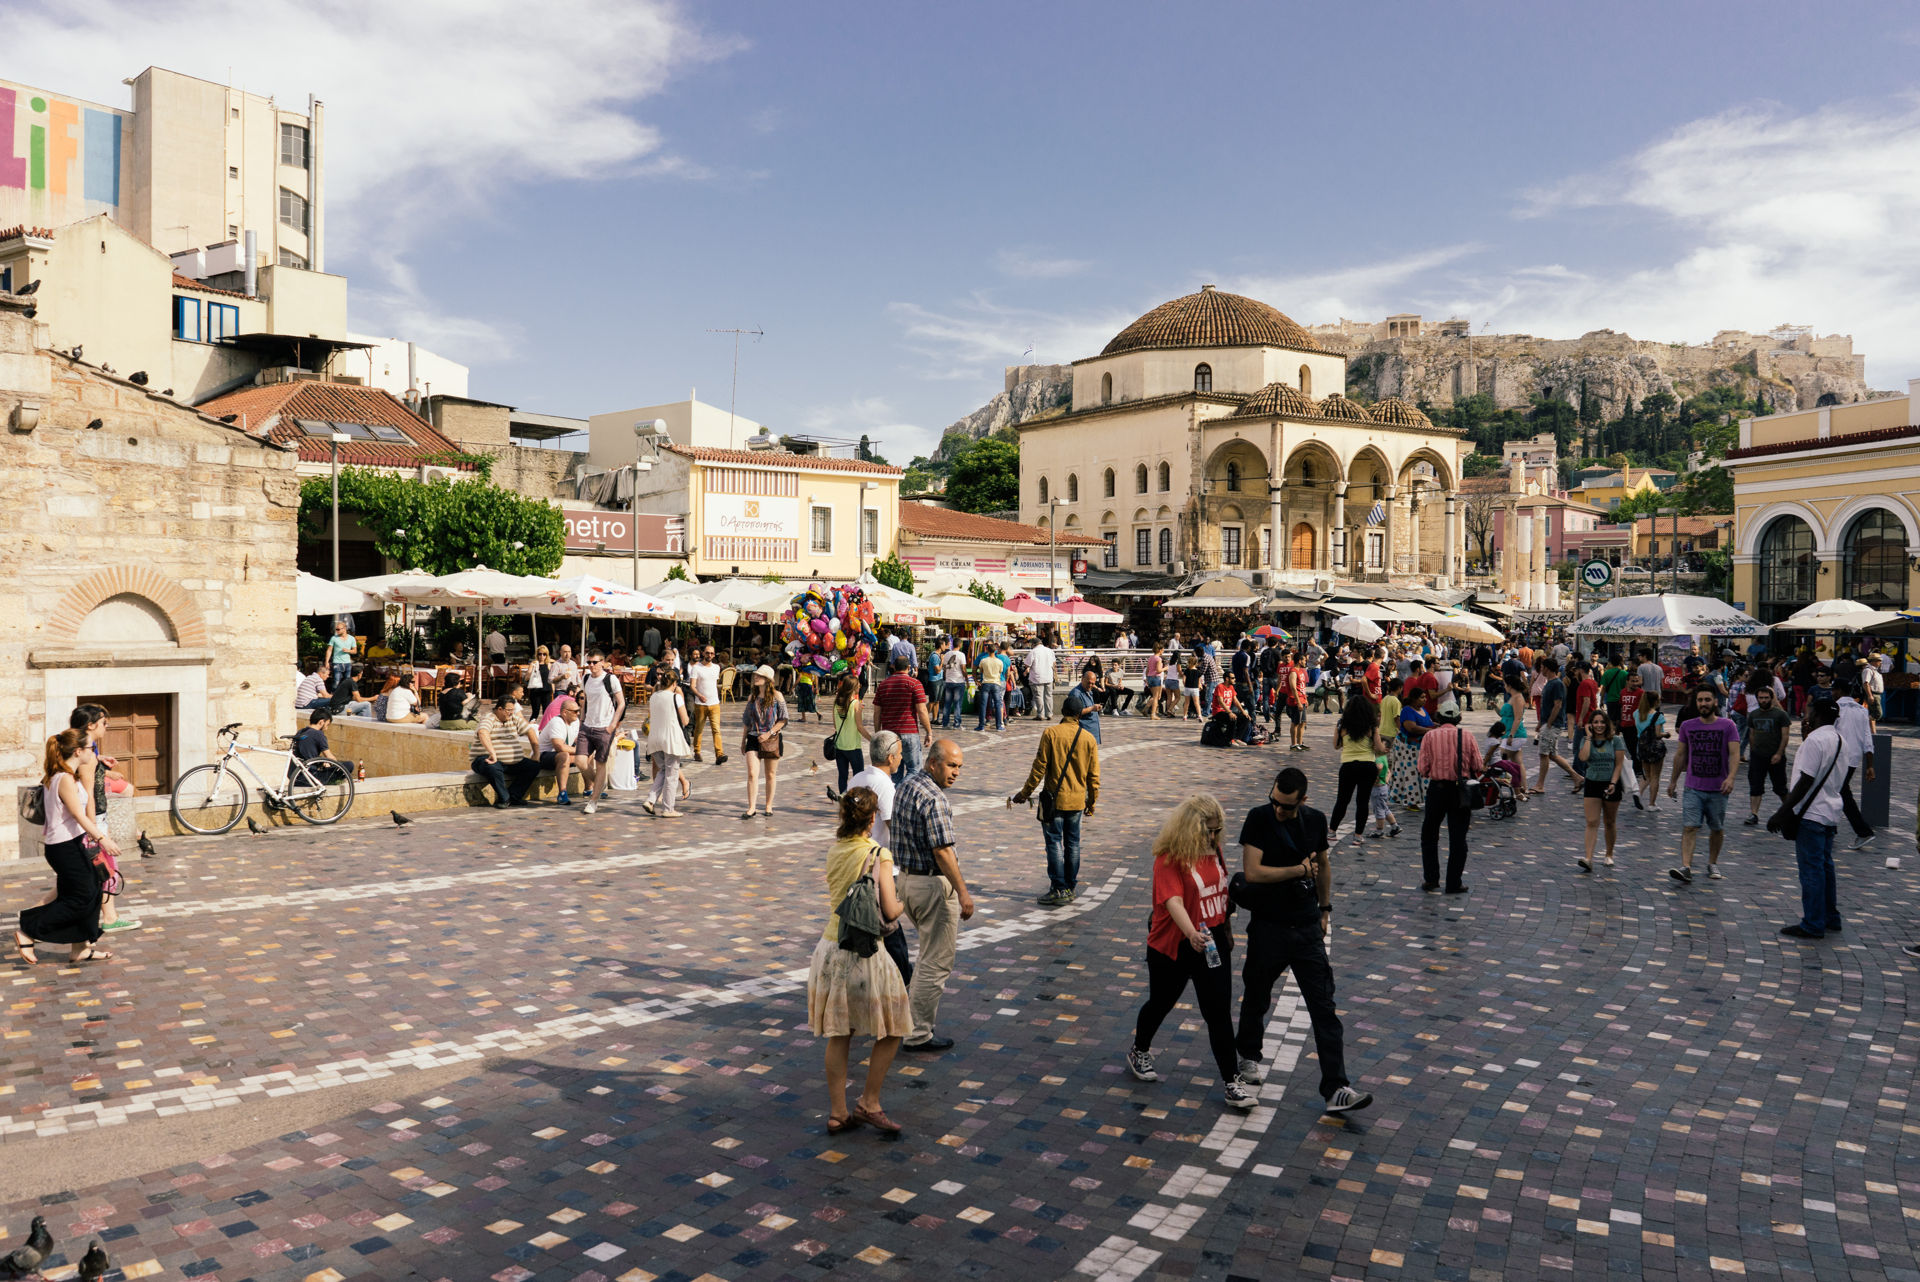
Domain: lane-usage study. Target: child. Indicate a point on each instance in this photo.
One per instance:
(1384, 824)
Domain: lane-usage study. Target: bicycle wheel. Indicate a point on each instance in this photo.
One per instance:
(320, 792)
(209, 799)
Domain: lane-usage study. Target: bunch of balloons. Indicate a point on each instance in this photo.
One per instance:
(829, 631)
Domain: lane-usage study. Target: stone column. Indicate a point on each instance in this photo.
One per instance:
(1276, 517)
(1540, 558)
(1447, 541)
(1511, 557)
(1415, 506)
(1339, 526)
(1392, 500)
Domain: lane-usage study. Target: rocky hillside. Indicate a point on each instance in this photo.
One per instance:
(1793, 371)
(1032, 390)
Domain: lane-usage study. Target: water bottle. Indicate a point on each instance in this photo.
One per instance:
(1212, 950)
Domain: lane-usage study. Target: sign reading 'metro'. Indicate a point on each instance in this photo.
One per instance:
(592, 530)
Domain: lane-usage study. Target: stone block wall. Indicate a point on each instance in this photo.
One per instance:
(536, 473)
(386, 750)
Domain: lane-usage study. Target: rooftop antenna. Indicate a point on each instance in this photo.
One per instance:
(734, 393)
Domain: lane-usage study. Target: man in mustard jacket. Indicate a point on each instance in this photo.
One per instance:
(1066, 772)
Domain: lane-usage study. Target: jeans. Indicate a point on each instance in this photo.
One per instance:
(1206, 695)
(1356, 784)
(1016, 700)
(989, 705)
(912, 750)
(508, 779)
(1813, 849)
(935, 689)
(1063, 849)
(1167, 980)
(1444, 802)
(1272, 950)
(851, 762)
(341, 672)
(953, 703)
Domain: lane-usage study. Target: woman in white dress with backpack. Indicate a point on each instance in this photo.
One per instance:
(73, 917)
(667, 744)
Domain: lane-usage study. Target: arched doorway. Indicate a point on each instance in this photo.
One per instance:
(1874, 560)
(1787, 569)
(1300, 553)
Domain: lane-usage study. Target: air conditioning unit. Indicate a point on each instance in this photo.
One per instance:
(1323, 585)
(1259, 578)
(433, 472)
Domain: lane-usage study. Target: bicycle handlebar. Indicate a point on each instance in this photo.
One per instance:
(233, 729)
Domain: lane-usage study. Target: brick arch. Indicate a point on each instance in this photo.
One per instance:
(189, 625)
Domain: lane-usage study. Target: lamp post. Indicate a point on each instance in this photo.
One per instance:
(646, 434)
(1674, 548)
(338, 439)
(1053, 546)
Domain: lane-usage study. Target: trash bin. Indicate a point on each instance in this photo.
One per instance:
(1876, 794)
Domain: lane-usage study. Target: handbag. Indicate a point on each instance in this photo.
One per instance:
(105, 868)
(1045, 810)
(1785, 821)
(33, 807)
(861, 923)
(828, 749)
(1476, 795)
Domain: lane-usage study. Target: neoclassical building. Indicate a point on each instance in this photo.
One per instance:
(1826, 505)
(1214, 434)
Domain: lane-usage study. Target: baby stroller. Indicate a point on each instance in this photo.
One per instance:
(1502, 799)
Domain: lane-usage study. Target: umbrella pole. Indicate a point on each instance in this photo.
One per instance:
(480, 650)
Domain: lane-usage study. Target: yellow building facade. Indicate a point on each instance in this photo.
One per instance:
(1827, 505)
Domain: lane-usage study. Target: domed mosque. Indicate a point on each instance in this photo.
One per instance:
(1179, 427)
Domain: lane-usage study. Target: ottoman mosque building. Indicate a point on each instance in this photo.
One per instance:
(1213, 434)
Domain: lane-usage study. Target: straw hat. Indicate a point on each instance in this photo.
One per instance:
(764, 671)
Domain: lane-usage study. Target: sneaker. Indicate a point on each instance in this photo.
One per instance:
(590, 808)
(1713, 873)
(1680, 875)
(1862, 843)
(1073, 893)
(720, 760)
(564, 799)
(1376, 834)
(1240, 1096)
(1911, 950)
(1348, 1100)
(1140, 1064)
(125, 923)
(1751, 820)
(1055, 899)
(1796, 931)
(1252, 1071)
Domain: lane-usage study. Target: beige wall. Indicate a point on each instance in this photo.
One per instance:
(677, 487)
(610, 439)
(304, 302)
(1243, 370)
(480, 425)
(105, 290)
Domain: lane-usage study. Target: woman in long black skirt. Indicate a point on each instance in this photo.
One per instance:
(73, 917)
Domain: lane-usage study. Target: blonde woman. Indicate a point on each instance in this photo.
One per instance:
(849, 995)
(73, 918)
(1189, 914)
(761, 721)
(540, 691)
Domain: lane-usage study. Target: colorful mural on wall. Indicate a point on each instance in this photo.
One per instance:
(60, 161)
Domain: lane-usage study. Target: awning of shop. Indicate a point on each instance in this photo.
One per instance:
(1214, 603)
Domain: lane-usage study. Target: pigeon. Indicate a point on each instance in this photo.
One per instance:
(24, 1260)
(168, 392)
(146, 846)
(138, 378)
(77, 349)
(399, 820)
(253, 827)
(32, 287)
(96, 424)
(105, 368)
(94, 1265)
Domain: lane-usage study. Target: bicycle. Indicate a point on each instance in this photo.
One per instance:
(212, 798)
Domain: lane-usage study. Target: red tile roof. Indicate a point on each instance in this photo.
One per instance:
(931, 522)
(188, 282)
(16, 232)
(784, 458)
(272, 409)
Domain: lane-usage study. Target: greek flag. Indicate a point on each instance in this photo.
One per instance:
(1378, 514)
(1028, 353)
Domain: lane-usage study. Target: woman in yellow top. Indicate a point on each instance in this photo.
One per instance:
(848, 733)
(1358, 738)
(848, 994)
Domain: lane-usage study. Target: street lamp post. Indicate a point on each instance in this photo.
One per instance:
(645, 433)
(1053, 546)
(338, 439)
(1674, 549)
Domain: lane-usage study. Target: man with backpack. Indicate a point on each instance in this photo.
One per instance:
(602, 703)
(1066, 772)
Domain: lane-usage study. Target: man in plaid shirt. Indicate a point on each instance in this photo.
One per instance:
(931, 885)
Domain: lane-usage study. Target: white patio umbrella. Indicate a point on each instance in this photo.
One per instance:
(1467, 627)
(753, 600)
(377, 584)
(479, 590)
(1668, 614)
(891, 605)
(315, 595)
(964, 607)
(1839, 615)
(1360, 629)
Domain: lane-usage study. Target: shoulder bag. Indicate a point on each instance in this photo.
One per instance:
(1786, 822)
(33, 806)
(1473, 795)
(861, 922)
(829, 747)
(1049, 787)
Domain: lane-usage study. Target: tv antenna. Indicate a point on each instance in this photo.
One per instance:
(734, 392)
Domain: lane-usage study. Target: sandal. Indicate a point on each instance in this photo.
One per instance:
(25, 949)
(91, 955)
(877, 1119)
(842, 1125)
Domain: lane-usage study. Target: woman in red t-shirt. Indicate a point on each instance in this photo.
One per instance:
(1189, 911)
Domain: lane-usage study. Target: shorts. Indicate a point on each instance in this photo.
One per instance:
(1515, 746)
(1153, 683)
(1599, 788)
(1547, 739)
(1296, 713)
(597, 744)
(1703, 809)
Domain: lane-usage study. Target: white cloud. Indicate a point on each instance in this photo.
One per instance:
(1023, 265)
(433, 107)
(978, 337)
(875, 417)
(1367, 291)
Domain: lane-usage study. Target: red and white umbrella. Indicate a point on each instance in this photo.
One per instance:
(1033, 607)
(1081, 610)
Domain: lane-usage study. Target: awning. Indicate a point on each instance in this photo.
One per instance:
(1214, 602)
(1378, 611)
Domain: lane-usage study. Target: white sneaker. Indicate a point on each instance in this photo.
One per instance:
(1713, 873)
(1348, 1100)
(1240, 1096)
(1252, 1072)
(590, 808)
(1140, 1064)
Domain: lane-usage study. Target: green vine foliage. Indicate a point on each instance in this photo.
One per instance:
(987, 592)
(679, 572)
(894, 572)
(450, 525)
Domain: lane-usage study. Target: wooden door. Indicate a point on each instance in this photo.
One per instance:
(1302, 554)
(140, 736)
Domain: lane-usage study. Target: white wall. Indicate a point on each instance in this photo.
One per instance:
(432, 373)
(689, 422)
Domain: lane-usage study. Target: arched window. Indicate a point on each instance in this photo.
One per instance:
(1306, 380)
(1140, 479)
(1109, 482)
(1073, 487)
(1874, 561)
(1787, 568)
(1233, 476)
(1166, 478)
(1166, 547)
(1106, 389)
(1203, 378)
(1043, 489)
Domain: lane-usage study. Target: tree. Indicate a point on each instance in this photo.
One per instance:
(893, 572)
(865, 451)
(986, 592)
(1479, 515)
(915, 481)
(1481, 465)
(442, 526)
(986, 478)
(678, 573)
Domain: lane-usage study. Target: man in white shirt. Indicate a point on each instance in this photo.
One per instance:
(564, 671)
(1040, 663)
(603, 704)
(704, 675)
(1653, 677)
(1819, 773)
(1856, 733)
(497, 646)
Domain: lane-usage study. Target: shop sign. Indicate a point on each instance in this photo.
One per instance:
(593, 530)
(1040, 568)
(750, 516)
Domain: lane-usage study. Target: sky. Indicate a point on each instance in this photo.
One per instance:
(572, 197)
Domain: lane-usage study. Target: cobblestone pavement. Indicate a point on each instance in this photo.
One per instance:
(1574, 1074)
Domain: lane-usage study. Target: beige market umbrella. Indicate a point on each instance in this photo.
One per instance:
(964, 607)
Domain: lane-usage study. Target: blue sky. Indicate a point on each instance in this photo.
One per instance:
(903, 197)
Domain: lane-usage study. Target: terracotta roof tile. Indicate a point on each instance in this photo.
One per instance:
(1277, 400)
(931, 522)
(188, 282)
(784, 458)
(17, 231)
(1397, 412)
(1211, 318)
(280, 404)
(1334, 405)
